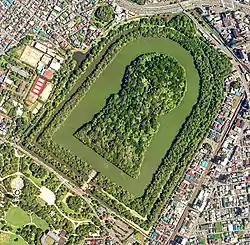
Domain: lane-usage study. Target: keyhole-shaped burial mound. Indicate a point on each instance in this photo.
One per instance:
(153, 85)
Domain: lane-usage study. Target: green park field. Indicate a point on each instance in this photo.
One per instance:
(109, 82)
(17, 216)
(11, 239)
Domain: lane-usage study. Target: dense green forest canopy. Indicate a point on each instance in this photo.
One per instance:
(140, 2)
(153, 84)
(104, 14)
(74, 202)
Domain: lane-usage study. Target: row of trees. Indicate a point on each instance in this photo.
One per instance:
(8, 160)
(153, 85)
(212, 67)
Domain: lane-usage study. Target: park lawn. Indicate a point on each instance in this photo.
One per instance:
(109, 82)
(8, 239)
(17, 216)
(217, 236)
(39, 222)
(218, 227)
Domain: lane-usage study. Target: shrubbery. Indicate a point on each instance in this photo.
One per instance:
(103, 14)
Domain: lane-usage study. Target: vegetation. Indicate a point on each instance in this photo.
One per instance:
(82, 231)
(140, 2)
(8, 160)
(17, 216)
(30, 218)
(212, 67)
(40, 222)
(31, 234)
(73, 206)
(11, 239)
(51, 182)
(153, 85)
(208, 147)
(103, 15)
(37, 171)
(74, 202)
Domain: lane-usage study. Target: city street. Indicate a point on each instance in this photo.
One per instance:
(166, 7)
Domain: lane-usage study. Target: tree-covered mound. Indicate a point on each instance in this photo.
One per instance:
(153, 85)
(103, 15)
(140, 2)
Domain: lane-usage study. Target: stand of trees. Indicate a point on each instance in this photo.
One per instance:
(31, 234)
(81, 232)
(103, 15)
(153, 85)
(37, 171)
(140, 2)
(212, 66)
(80, 210)
(8, 160)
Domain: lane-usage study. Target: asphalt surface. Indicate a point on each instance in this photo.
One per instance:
(165, 7)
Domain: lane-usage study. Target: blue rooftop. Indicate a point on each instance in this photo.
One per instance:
(204, 164)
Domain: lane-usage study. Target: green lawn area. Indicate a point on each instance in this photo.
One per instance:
(17, 216)
(109, 82)
(39, 222)
(8, 239)
(218, 227)
(203, 240)
(38, 181)
(217, 236)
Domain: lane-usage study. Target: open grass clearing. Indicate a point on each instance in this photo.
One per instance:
(37, 181)
(11, 239)
(109, 82)
(39, 222)
(17, 216)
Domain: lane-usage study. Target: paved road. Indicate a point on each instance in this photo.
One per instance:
(165, 7)
(77, 190)
(197, 188)
(234, 59)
